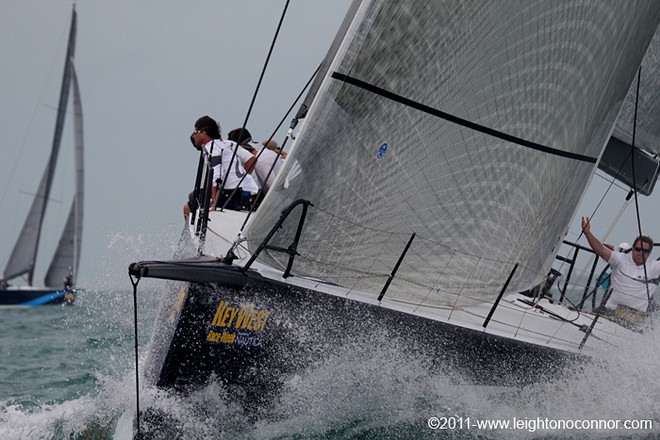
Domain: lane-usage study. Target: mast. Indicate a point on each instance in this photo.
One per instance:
(24, 254)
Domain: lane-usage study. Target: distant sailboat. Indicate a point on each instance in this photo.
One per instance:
(60, 279)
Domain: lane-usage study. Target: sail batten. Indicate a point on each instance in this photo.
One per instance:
(454, 119)
(24, 254)
(553, 74)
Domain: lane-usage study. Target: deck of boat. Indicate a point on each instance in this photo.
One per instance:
(544, 322)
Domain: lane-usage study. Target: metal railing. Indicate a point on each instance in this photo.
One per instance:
(571, 261)
(202, 197)
(292, 249)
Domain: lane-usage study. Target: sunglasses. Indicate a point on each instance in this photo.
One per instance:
(197, 132)
(645, 251)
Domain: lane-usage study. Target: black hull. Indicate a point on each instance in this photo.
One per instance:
(254, 333)
(36, 297)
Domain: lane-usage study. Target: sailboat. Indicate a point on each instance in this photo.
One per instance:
(60, 279)
(443, 150)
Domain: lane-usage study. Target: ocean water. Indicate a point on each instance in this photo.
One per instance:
(68, 373)
(65, 371)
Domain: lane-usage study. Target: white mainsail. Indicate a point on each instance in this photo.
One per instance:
(24, 255)
(67, 256)
(474, 125)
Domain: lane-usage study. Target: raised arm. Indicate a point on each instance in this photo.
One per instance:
(603, 251)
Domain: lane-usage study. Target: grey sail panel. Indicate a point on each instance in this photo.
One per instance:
(61, 267)
(67, 255)
(402, 138)
(24, 254)
(647, 131)
(80, 173)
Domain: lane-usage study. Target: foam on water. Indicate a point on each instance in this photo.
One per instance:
(67, 372)
(89, 416)
(367, 389)
(373, 391)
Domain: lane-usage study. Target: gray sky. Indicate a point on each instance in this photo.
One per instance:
(147, 69)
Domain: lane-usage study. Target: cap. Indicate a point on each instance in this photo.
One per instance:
(624, 246)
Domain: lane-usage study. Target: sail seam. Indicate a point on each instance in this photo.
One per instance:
(456, 120)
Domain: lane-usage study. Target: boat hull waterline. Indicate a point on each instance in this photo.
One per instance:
(36, 297)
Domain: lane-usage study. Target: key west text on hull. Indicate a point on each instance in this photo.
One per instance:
(443, 151)
(62, 273)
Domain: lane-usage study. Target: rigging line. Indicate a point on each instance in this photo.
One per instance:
(533, 332)
(427, 239)
(600, 202)
(55, 58)
(609, 230)
(456, 120)
(367, 228)
(607, 234)
(363, 274)
(632, 149)
(613, 181)
(135, 282)
(553, 315)
(253, 207)
(602, 199)
(256, 91)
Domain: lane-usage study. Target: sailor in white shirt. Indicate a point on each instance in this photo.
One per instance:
(228, 171)
(257, 159)
(634, 276)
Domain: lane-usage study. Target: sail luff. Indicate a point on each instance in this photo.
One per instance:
(327, 60)
(64, 265)
(24, 254)
(80, 173)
